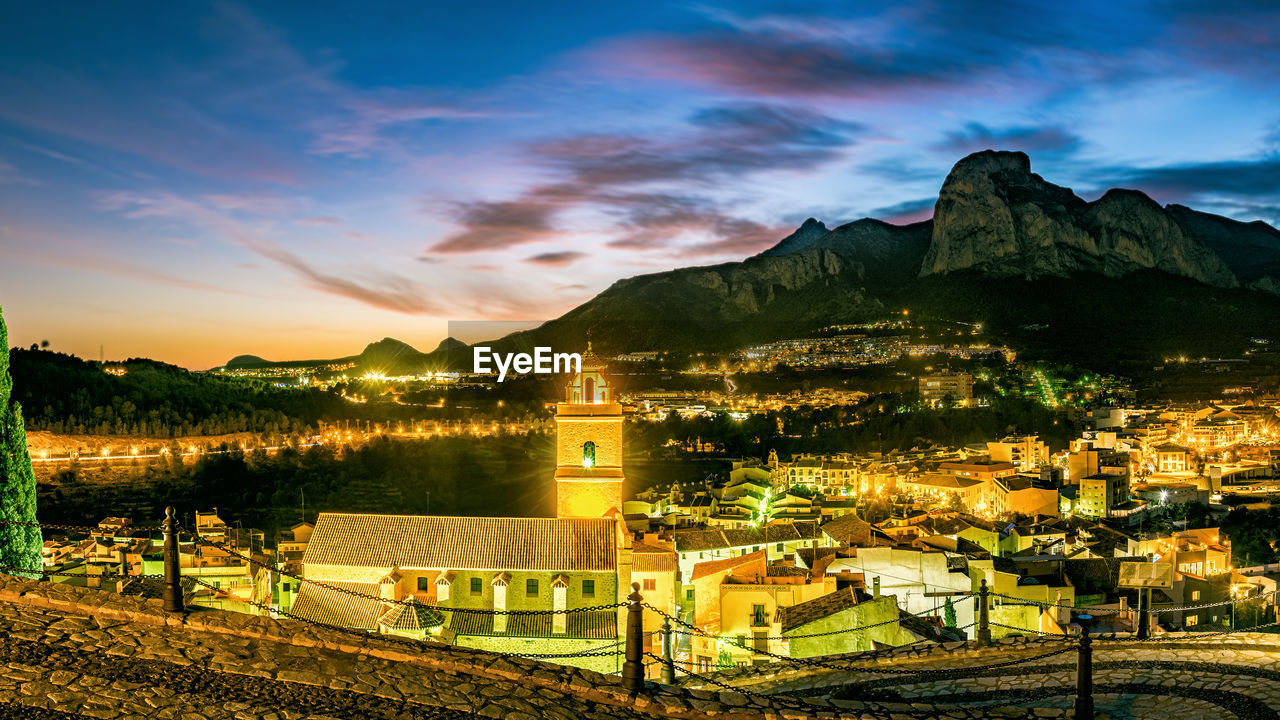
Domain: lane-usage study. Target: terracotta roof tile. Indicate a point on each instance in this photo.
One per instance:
(321, 604)
(597, 625)
(472, 543)
(804, 613)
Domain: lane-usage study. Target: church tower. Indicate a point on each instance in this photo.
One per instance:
(589, 445)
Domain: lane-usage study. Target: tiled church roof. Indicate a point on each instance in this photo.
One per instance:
(472, 543)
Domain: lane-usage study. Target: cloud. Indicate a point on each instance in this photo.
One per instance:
(725, 140)
(384, 291)
(1258, 178)
(905, 213)
(495, 225)
(1050, 139)
(630, 178)
(919, 52)
(10, 174)
(556, 259)
(319, 220)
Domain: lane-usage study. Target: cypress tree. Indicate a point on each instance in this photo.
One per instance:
(19, 545)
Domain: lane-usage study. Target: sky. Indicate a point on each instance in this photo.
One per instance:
(192, 181)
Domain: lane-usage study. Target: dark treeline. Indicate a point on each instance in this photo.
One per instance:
(1254, 535)
(448, 476)
(506, 476)
(65, 394)
(883, 423)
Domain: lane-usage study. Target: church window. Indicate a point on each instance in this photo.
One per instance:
(589, 454)
(424, 584)
(589, 391)
(531, 587)
(588, 588)
(475, 586)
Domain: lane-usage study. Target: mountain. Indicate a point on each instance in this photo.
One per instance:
(996, 216)
(803, 237)
(1117, 279)
(387, 355)
(246, 361)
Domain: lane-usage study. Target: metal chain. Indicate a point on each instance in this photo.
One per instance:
(1116, 611)
(76, 528)
(1174, 637)
(782, 699)
(841, 631)
(416, 644)
(368, 596)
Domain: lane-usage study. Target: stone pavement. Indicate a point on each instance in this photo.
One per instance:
(69, 652)
(1235, 675)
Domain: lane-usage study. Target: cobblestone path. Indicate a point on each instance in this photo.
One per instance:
(70, 683)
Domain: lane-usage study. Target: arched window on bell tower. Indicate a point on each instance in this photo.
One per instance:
(589, 391)
(588, 454)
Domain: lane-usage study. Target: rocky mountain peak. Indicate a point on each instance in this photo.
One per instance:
(804, 236)
(995, 216)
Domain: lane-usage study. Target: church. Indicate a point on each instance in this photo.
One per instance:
(411, 570)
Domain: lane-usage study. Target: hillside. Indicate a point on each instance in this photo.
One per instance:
(1119, 279)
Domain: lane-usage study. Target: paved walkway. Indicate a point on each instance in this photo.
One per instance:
(1221, 677)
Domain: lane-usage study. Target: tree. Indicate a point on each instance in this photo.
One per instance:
(19, 544)
(948, 613)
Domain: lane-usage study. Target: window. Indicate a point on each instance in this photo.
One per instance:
(588, 588)
(287, 587)
(475, 586)
(1195, 596)
(650, 584)
(758, 617)
(688, 594)
(588, 454)
(1192, 620)
(531, 588)
(424, 584)
(781, 547)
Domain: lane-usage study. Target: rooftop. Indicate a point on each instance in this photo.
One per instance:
(472, 543)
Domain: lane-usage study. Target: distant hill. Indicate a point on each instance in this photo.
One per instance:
(1117, 279)
(246, 361)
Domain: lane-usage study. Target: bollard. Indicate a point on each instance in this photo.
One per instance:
(1084, 678)
(668, 653)
(984, 627)
(633, 667)
(1144, 615)
(172, 566)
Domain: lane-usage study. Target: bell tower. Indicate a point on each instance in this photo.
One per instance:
(589, 445)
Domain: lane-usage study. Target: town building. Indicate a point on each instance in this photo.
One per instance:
(954, 389)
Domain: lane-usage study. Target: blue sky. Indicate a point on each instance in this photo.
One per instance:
(190, 181)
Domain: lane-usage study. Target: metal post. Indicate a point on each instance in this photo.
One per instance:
(668, 653)
(172, 567)
(1084, 678)
(633, 667)
(984, 628)
(1144, 618)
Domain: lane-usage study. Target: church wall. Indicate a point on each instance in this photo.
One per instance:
(587, 498)
(574, 431)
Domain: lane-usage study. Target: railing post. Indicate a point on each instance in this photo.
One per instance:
(172, 567)
(633, 667)
(1144, 617)
(668, 653)
(984, 627)
(1084, 678)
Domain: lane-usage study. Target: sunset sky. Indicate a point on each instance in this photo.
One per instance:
(190, 181)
